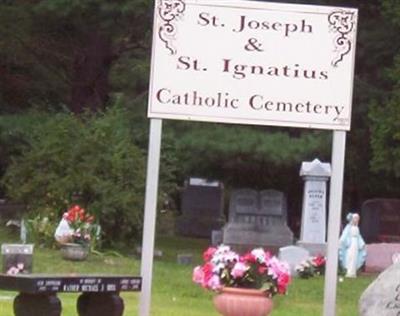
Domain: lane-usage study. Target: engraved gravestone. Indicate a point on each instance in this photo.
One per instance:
(257, 219)
(382, 297)
(202, 206)
(17, 258)
(313, 221)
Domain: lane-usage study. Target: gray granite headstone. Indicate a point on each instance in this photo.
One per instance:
(380, 220)
(17, 255)
(382, 296)
(243, 205)
(217, 237)
(202, 207)
(257, 219)
(293, 255)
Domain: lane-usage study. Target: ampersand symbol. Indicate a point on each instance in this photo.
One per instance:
(253, 45)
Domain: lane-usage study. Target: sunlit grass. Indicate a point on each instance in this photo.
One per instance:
(174, 294)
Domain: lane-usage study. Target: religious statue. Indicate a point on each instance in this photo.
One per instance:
(352, 252)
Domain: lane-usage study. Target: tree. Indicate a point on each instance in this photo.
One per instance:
(385, 111)
(63, 51)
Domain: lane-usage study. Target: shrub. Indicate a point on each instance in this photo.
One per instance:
(92, 157)
(41, 230)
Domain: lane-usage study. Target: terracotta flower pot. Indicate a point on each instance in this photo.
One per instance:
(242, 302)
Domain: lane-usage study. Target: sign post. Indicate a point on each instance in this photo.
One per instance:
(335, 211)
(150, 212)
(256, 63)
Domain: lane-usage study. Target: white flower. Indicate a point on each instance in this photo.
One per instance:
(222, 249)
(259, 254)
(218, 268)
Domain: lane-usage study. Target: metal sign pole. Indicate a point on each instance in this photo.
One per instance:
(335, 210)
(150, 212)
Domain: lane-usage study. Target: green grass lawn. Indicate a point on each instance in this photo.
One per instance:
(174, 294)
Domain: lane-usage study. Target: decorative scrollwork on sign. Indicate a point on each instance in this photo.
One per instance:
(169, 11)
(343, 23)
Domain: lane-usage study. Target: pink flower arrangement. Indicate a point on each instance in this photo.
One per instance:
(311, 267)
(256, 269)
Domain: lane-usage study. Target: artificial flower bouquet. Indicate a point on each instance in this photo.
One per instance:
(80, 223)
(311, 267)
(256, 269)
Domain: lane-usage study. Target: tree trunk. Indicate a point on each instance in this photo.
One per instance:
(90, 73)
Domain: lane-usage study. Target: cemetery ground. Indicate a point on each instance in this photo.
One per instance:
(174, 294)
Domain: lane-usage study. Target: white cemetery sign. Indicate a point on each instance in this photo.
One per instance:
(253, 63)
(247, 62)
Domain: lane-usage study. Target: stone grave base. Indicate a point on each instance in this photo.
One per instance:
(380, 256)
(245, 238)
(314, 249)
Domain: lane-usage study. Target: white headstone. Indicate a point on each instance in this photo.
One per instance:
(293, 255)
(313, 223)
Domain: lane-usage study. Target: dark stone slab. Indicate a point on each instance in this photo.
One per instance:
(10, 210)
(202, 207)
(106, 304)
(37, 305)
(380, 220)
(35, 283)
(38, 293)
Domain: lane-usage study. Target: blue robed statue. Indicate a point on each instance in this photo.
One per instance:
(352, 252)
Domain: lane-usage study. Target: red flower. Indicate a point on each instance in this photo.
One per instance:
(318, 261)
(248, 257)
(283, 281)
(262, 269)
(82, 214)
(281, 289)
(209, 253)
(208, 272)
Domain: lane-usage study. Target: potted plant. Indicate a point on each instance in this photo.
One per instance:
(75, 232)
(245, 283)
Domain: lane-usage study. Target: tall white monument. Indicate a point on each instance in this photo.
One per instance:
(313, 222)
